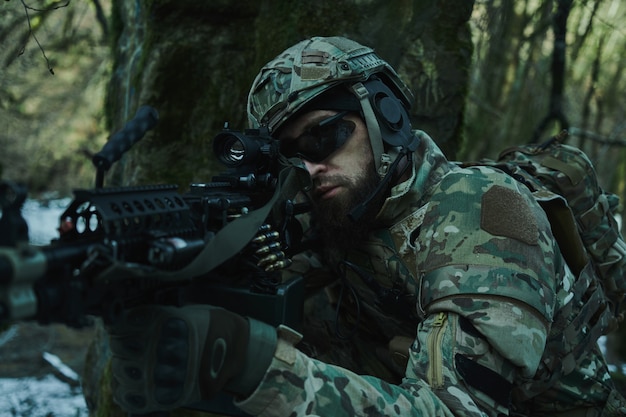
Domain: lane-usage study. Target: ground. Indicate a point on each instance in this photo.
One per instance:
(22, 347)
(40, 369)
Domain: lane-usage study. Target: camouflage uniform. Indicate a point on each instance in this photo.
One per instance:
(471, 254)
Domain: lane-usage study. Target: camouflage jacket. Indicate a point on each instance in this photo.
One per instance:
(466, 269)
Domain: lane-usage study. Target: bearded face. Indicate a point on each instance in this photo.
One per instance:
(337, 230)
(336, 150)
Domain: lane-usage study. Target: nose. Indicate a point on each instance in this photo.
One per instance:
(314, 168)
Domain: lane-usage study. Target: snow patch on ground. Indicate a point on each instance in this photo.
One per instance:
(43, 219)
(61, 368)
(40, 397)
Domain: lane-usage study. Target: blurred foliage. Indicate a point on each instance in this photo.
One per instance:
(511, 80)
(49, 124)
(55, 65)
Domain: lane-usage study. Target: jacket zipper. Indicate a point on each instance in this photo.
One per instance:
(435, 338)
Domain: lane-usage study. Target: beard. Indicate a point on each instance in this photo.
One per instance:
(339, 232)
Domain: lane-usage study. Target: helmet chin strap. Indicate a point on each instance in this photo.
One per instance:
(386, 164)
(381, 159)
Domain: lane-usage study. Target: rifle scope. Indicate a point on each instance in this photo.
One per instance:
(253, 147)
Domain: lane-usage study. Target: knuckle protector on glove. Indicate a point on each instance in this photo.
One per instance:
(155, 357)
(172, 355)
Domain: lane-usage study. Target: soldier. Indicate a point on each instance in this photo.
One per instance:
(445, 282)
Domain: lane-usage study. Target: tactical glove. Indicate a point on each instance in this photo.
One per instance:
(167, 357)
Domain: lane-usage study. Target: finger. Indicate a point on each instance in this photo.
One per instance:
(130, 347)
(129, 375)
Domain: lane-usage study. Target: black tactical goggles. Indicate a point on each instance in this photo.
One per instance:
(319, 141)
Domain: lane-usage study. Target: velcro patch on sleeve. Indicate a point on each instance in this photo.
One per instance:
(506, 213)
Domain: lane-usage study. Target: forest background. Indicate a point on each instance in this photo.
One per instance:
(71, 74)
(50, 124)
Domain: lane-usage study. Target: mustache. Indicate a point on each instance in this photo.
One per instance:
(322, 184)
(331, 181)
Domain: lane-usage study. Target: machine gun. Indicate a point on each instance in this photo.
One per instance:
(222, 243)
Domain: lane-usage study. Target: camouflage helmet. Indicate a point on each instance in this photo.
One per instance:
(315, 66)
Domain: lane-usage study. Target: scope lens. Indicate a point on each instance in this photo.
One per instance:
(234, 151)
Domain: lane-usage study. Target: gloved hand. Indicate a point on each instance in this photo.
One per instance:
(168, 357)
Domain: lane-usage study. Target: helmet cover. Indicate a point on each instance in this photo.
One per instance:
(310, 68)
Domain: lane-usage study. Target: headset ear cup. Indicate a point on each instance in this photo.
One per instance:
(389, 111)
(392, 116)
